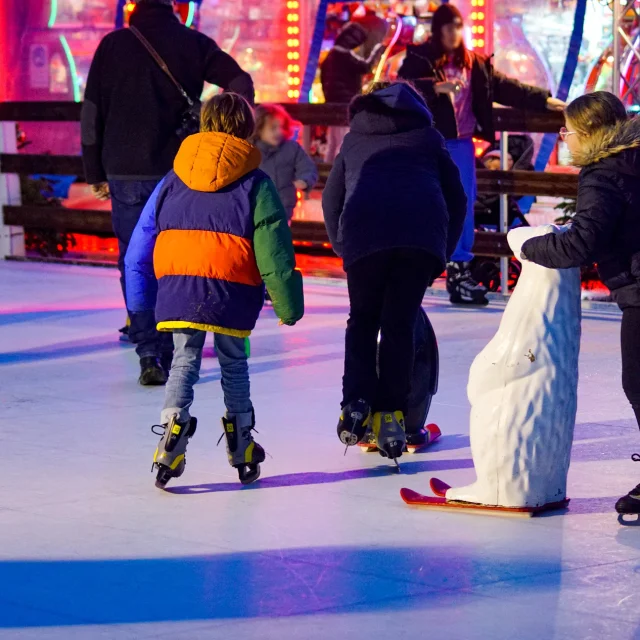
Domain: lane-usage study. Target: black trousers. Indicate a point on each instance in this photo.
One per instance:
(630, 343)
(385, 294)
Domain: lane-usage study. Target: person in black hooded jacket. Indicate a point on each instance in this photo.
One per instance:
(606, 226)
(460, 87)
(394, 208)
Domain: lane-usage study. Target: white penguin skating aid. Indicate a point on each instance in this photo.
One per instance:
(523, 394)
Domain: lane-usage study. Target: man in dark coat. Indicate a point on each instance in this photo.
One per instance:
(130, 117)
(394, 208)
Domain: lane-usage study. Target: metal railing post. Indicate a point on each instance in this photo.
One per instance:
(11, 238)
(504, 213)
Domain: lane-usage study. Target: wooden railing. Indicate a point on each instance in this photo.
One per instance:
(516, 183)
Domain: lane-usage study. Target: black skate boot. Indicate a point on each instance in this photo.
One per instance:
(461, 286)
(151, 372)
(418, 439)
(630, 504)
(389, 431)
(354, 422)
(244, 453)
(170, 456)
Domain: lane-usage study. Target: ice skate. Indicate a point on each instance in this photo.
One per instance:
(418, 440)
(461, 286)
(354, 422)
(389, 432)
(244, 453)
(170, 456)
(368, 443)
(629, 505)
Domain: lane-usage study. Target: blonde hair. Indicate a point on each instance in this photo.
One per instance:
(595, 111)
(227, 113)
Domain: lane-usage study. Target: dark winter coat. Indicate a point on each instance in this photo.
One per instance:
(343, 70)
(487, 86)
(606, 226)
(284, 164)
(132, 110)
(213, 233)
(393, 184)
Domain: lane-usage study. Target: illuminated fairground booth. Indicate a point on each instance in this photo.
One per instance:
(48, 44)
(566, 46)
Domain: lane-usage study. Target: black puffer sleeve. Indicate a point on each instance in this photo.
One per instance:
(600, 206)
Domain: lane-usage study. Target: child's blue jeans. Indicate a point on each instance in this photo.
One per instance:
(185, 372)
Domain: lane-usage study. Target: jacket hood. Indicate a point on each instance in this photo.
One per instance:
(211, 161)
(609, 142)
(395, 108)
(351, 36)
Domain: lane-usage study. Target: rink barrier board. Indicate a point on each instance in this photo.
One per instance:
(95, 221)
(515, 183)
(310, 235)
(504, 119)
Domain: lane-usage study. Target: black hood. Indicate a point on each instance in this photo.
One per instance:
(390, 110)
(352, 35)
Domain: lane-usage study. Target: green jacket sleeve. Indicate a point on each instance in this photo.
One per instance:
(274, 253)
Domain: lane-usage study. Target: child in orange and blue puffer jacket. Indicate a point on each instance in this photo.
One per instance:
(215, 232)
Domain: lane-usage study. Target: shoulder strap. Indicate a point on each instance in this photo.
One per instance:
(161, 63)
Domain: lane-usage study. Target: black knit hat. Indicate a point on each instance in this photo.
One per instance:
(443, 15)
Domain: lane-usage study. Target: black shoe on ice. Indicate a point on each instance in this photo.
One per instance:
(630, 504)
(151, 372)
(462, 287)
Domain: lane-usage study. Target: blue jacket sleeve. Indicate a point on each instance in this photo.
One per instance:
(140, 279)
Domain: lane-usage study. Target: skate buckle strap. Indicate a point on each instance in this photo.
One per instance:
(162, 428)
(228, 427)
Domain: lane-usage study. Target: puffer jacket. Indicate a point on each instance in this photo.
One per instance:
(393, 184)
(606, 226)
(284, 164)
(213, 231)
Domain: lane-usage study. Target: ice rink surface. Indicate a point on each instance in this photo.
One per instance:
(321, 547)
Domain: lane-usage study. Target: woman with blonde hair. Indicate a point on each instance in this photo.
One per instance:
(605, 143)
